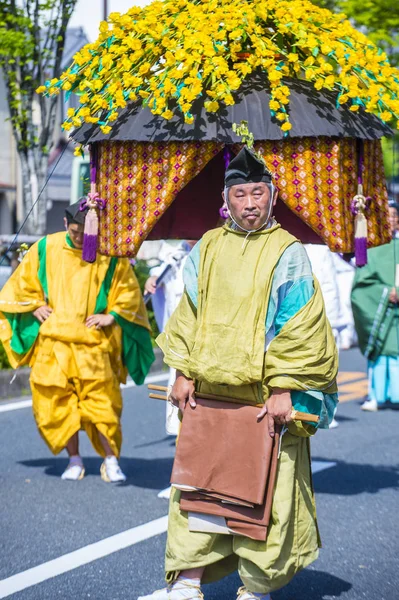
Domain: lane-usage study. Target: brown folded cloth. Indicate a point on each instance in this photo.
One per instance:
(203, 495)
(250, 522)
(223, 449)
(226, 454)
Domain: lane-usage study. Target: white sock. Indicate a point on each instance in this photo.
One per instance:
(188, 580)
(184, 586)
(75, 460)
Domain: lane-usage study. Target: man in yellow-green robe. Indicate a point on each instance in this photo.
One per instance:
(81, 327)
(251, 325)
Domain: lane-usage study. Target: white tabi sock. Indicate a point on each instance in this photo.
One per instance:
(244, 594)
(185, 585)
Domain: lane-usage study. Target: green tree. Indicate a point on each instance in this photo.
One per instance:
(379, 18)
(32, 35)
(390, 148)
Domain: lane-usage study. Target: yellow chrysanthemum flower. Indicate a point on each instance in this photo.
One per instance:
(67, 125)
(274, 105)
(177, 50)
(212, 106)
(105, 128)
(167, 114)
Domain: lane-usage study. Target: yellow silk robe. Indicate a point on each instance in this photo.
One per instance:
(220, 342)
(76, 370)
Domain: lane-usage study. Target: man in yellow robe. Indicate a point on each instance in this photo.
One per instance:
(81, 327)
(251, 325)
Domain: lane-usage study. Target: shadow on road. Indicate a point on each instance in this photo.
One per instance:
(151, 474)
(347, 479)
(342, 419)
(317, 585)
(167, 438)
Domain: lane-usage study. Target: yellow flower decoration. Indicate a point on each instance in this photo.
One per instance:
(105, 128)
(167, 114)
(170, 53)
(78, 150)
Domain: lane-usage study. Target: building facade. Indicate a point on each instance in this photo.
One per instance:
(58, 188)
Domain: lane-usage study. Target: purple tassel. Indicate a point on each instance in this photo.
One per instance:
(90, 236)
(226, 157)
(361, 251)
(360, 233)
(89, 252)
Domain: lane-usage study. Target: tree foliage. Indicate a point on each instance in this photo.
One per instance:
(32, 35)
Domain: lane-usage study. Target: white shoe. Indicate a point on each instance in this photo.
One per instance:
(111, 471)
(73, 472)
(177, 591)
(334, 423)
(165, 494)
(370, 405)
(244, 594)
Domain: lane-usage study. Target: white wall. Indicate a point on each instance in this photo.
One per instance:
(9, 162)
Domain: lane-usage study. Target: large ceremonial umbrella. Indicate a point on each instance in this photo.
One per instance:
(163, 85)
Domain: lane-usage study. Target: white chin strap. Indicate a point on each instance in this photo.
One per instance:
(248, 231)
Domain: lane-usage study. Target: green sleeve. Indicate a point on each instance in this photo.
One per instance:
(137, 351)
(25, 327)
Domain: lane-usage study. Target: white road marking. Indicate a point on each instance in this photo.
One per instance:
(149, 379)
(15, 405)
(321, 465)
(80, 557)
(129, 384)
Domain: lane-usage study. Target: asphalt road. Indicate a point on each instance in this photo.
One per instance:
(43, 518)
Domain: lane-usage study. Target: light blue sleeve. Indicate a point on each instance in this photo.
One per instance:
(190, 273)
(292, 288)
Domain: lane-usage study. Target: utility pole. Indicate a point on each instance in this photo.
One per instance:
(105, 10)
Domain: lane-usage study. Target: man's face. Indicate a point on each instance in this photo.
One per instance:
(393, 219)
(249, 204)
(75, 233)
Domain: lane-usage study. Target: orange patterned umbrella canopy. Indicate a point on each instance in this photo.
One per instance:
(144, 183)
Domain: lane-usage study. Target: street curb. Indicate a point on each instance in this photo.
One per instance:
(15, 384)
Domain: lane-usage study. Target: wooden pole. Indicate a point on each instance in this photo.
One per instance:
(296, 415)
